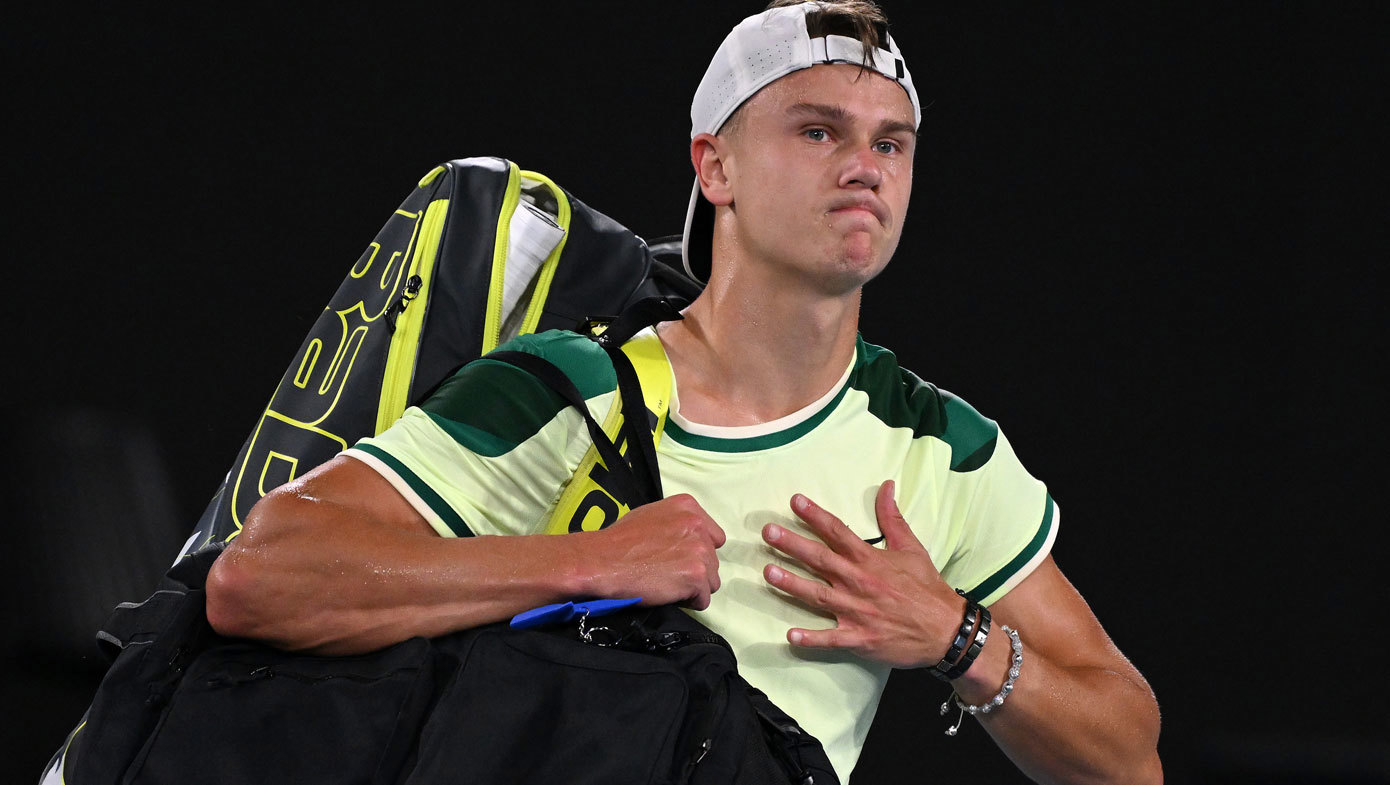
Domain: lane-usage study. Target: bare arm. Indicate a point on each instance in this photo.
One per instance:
(337, 562)
(1080, 712)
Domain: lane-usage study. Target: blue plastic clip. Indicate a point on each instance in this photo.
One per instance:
(564, 611)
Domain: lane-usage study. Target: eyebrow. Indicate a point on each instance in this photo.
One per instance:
(836, 113)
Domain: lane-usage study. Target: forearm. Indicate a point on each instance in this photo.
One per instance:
(326, 578)
(338, 562)
(1079, 724)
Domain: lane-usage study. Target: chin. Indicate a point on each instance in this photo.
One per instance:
(862, 261)
(850, 272)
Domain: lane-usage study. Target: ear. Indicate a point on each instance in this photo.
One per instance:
(709, 154)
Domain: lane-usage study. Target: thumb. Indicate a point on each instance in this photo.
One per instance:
(896, 533)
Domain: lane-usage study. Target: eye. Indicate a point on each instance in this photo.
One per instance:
(816, 134)
(887, 147)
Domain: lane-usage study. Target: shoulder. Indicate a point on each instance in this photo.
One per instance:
(900, 399)
(501, 398)
(582, 360)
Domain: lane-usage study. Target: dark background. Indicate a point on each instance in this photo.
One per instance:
(1141, 238)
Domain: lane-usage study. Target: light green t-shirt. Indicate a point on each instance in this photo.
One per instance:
(491, 451)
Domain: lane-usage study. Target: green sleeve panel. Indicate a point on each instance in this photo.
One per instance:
(491, 450)
(461, 492)
(490, 407)
(988, 521)
(900, 399)
(1002, 524)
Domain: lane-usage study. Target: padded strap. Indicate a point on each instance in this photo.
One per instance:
(625, 481)
(638, 317)
(637, 427)
(637, 424)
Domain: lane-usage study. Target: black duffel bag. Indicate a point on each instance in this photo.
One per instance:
(647, 695)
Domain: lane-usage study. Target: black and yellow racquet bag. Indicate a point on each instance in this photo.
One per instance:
(480, 251)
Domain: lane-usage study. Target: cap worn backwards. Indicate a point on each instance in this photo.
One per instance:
(758, 51)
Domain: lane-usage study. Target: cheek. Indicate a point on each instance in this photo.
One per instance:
(775, 194)
(901, 194)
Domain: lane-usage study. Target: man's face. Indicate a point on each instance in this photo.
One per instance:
(820, 171)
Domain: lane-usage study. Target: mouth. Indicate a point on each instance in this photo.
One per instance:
(861, 207)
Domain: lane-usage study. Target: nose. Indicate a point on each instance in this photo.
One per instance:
(861, 169)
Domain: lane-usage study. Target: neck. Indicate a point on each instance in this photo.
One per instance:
(756, 346)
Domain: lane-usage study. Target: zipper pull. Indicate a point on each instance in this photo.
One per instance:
(667, 642)
(411, 291)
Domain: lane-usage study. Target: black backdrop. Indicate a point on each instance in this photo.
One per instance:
(1140, 238)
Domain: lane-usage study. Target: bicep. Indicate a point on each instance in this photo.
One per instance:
(1053, 618)
(350, 488)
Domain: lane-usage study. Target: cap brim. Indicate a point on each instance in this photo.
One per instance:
(697, 242)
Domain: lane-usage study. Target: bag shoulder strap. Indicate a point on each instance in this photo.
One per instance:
(619, 470)
(624, 483)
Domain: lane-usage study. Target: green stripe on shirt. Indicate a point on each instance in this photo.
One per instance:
(988, 585)
(435, 502)
(754, 443)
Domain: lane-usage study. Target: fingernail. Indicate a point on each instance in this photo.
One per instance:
(800, 502)
(774, 532)
(775, 573)
(795, 636)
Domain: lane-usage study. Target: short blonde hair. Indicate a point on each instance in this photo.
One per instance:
(861, 20)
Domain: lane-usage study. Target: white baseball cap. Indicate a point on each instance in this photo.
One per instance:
(760, 50)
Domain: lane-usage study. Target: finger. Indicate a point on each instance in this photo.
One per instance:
(812, 553)
(699, 602)
(697, 520)
(714, 581)
(896, 532)
(835, 638)
(829, 528)
(716, 533)
(813, 593)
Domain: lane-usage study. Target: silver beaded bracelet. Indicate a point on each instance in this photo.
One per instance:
(998, 700)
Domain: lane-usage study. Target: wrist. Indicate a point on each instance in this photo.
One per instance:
(982, 680)
(968, 641)
(951, 631)
(975, 706)
(585, 573)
